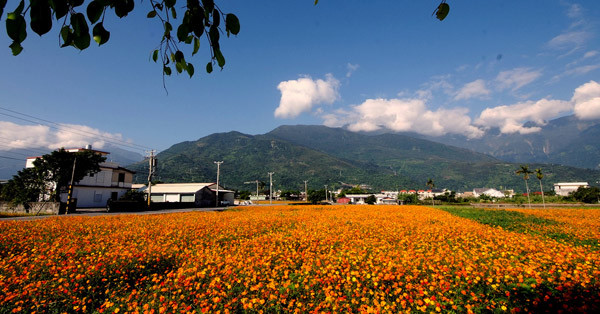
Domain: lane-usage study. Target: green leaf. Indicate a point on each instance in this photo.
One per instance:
(81, 32)
(178, 67)
(196, 46)
(75, 3)
(179, 56)
(2, 5)
(216, 18)
(209, 68)
(101, 35)
(151, 14)
(167, 70)
(174, 12)
(123, 7)
(168, 27)
(19, 8)
(213, 34)
(182, 32)
(190, 69)
(94, 11)
(67, 37)
(16, 27)
(170, 3)
(316, 1)
(61, 7)
(155, 55)
(232, 24)
(220, 58)
(41, 17)
(442, 11)
(16, 48)
(209, 5)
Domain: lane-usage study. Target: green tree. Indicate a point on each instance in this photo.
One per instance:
(371, 199)
(59, 166)
(80, 24)
(316, 196)
(525, 172)
(431, 185)
(587, 195)
(26, 186)
(539, 175)
(200, 20)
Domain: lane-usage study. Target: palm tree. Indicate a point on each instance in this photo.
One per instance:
(431, 185)
(540, 176)
(525, 172)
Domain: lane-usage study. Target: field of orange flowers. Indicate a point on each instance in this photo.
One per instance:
(292, 259)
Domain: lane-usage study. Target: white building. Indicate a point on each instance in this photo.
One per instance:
(566, 188)
(94, 191)
(489, 192)
(201, 194)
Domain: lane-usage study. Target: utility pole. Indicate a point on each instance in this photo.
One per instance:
(305, 191)
(326, 193)
(218, 169)
(70, 192)
(271, 188)
(152, 164)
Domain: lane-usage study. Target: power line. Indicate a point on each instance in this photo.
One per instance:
(75, 130)
(11, 158)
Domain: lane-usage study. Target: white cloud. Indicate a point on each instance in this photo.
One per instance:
(586, 99)
(517, 78)
(351, 68)
(473, 89)
(511, 118)
(298, 96)
(582, 69)
(590, 54)
(569, 40)
(403, 115)
(17, 136)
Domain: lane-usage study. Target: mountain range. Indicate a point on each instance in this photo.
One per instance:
(565, 141)
(335, 156)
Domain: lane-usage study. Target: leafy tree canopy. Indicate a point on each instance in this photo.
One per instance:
(57, 168)
(80, 24)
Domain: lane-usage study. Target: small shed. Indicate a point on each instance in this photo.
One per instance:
(197, 194)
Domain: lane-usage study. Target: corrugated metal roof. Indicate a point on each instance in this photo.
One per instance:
(181, 187)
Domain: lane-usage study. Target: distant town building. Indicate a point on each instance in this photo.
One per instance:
(488, 192)
(565, 188)
(95, 190)
(200, 194)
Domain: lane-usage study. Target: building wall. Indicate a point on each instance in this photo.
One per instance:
(94, 196)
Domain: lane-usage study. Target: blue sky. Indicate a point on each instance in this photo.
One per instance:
(367, 65)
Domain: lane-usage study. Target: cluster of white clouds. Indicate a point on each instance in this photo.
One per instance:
(17, 136)
(411, 114)
(301, 95)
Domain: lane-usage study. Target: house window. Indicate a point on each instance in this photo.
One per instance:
(97, 197)
(187, 198)
(157, 198)
(121, 177)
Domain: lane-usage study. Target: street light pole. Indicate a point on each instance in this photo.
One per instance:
(218, 170)
(305, 191)
(271, 188)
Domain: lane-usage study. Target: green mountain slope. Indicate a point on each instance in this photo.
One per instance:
(331, 156)
(249, 158)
